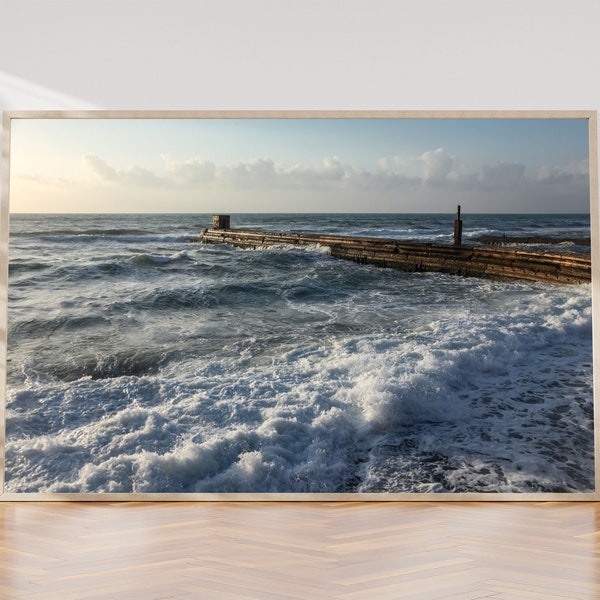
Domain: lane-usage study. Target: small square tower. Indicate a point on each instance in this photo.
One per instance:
(221, 221)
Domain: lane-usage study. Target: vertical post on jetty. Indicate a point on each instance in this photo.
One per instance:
(458, 229)
(221, 222)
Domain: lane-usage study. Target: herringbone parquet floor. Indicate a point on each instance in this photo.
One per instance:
(283, 551)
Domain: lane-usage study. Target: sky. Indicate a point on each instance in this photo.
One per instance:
(280, 165)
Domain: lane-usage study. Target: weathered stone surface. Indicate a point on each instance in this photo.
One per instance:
(470, 260)
(221, 221)
(501, 240)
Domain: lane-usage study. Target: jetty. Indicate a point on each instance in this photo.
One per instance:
(490, 261)
(507, 240)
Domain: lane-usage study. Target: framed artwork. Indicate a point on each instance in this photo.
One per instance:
(299, 305)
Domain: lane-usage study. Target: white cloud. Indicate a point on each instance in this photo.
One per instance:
(437, 166)
(258, 172)
(99, 167)
(560, 175)
(194, 170)
(264, 172)
(364, 179)
(329, 170)
(428, 181)
(135, 175)
(441, 169)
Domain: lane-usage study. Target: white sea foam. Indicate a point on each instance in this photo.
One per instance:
(209, 369)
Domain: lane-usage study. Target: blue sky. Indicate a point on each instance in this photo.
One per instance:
(299, 165)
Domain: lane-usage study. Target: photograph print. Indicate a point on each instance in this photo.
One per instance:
(315, 305)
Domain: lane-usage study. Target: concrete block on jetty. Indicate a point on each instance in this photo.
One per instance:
(221, 221)
(458, 259)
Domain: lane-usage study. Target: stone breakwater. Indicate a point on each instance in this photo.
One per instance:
(459, 259)
(501, 240)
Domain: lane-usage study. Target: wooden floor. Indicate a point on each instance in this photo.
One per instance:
(278, 551)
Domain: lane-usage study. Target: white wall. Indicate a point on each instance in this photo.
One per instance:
(306, 54)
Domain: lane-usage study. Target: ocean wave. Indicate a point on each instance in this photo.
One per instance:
(160, 259)
(143, 449)
(132, 363)
(162, 298)
(86, 271)
(45, 326)
(17, 267)
(365, 413)
(71, 367)
(66, 233)
(89, 268)
(309, 248)
(121, 237)
(373, 413)
(163, 368)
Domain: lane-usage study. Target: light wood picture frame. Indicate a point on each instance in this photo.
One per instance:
(40, 464)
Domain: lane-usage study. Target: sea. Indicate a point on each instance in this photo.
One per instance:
(140, 360)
